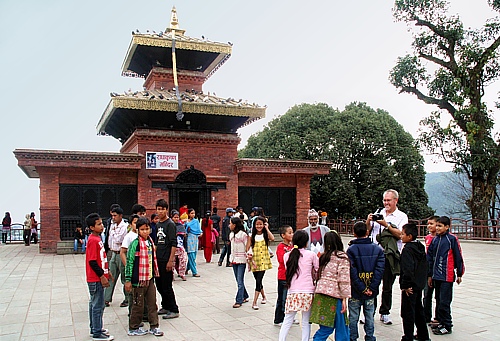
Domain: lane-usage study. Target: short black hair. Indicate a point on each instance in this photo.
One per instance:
(141, 221)
(91, 219)
(138, 208)
(284, 228)
(162, 203)
(359, 229)
(117, 210)
(113, 206)
(433, 217)
(411, 229)
(444, 220)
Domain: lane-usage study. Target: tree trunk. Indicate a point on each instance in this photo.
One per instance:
(482, 194)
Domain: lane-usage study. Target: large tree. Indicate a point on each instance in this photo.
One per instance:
(370, 152)
(451, 67)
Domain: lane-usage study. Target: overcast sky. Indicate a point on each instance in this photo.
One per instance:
(61, 59)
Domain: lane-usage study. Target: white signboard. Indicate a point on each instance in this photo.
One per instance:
(160, 160)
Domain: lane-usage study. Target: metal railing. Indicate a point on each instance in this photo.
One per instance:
(15, 234)
(468, 229)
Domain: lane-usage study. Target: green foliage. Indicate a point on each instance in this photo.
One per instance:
(464, 61)
(370, 152)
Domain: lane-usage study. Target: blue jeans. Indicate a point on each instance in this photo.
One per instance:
(96, 307)
(239, 274)
(369, 311)
(75, 247)
(340, 327)
(279, 313)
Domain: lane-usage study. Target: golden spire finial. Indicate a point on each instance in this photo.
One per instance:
(174, 23)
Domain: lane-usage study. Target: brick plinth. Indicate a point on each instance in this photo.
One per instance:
(49, 209)
(163, 78)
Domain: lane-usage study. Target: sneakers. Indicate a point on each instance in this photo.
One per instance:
(163, 311)
(124, 304)
(103, 337)
(386, 319)
(441, 330)
(156, 331)
(278, 324)
(136, 332)
(170, 315)
(103, 331)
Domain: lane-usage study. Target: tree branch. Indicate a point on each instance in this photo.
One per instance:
(436, 60)
(441, 103)
(485, 56)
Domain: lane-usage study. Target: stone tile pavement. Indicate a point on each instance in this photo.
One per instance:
(45, 297)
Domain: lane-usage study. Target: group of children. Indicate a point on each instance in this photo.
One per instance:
(324, 289)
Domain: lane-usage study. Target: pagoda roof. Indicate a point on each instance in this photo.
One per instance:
(157, 109)
(151, 49)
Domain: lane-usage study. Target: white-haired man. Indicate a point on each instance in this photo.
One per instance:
(316, 232)
(393, 220)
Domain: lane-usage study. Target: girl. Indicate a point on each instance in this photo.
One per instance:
(180, 252)
(285, 246)
(301, 267)
(206, 240)
(6, 222)
(238, 238)
(193, 230)
(329, 307)
(258, 256)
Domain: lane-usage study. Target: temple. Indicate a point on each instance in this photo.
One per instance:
(179, 142)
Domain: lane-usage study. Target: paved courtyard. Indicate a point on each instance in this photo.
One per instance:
(45, 297)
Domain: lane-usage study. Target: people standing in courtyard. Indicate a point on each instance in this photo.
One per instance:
(116, 233)
(127, 240)
(97, 274)
(412, 278)
(141, 268)
(333, 288)
(284, 247)
(226, 249)
(216, 220)
(239, 238)
(193, 230)
(180, 261)
(301, 269)
(315, 232)
(259, 257)
(429, 291)
(34, 228)
(27, 230)
(446, 265)
(6, 222)
(166, 245)
(392, 221)
(367, 269)
(207, 225)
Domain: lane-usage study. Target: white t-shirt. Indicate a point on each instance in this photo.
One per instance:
(397, 218)
(129, 237)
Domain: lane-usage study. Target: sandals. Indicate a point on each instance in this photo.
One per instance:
(255, 307)
(245, 300)
(196, 275)
(264, 301)
(236, 305)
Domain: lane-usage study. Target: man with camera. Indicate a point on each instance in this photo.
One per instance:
(389, 218)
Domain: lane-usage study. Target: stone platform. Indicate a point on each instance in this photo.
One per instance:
(45, 297)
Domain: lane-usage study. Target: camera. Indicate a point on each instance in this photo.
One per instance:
(377, 215)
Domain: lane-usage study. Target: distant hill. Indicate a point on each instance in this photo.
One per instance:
(446, 193)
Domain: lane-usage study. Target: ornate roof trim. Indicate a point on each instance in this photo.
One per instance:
(29, 159)
(246, 165)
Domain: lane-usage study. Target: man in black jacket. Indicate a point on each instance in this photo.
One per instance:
(413, 275)
(226, 250)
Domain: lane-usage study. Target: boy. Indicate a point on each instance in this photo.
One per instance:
(166, 243)
(96, 268)
(413, 270)
(139, 272)
(285, 246)
(127, 240)
(429, 291)
(445, 263)
(367, 268)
